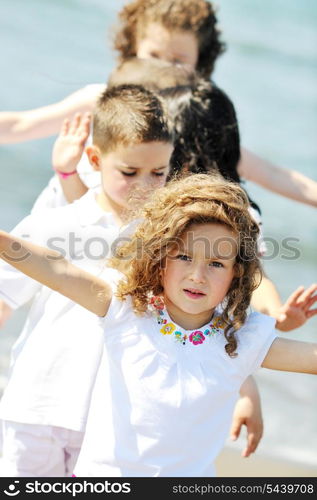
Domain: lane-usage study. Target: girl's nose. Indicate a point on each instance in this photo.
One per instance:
(198, 274)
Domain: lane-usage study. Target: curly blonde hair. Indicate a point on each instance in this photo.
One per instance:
(195, 199)
(196, 16)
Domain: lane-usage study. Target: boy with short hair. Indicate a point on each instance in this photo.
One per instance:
(53, 367)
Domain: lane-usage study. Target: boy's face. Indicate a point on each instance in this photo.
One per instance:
(173, 46)
(198, 273)
(130, 173)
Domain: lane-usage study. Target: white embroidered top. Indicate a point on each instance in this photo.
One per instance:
(163, 399)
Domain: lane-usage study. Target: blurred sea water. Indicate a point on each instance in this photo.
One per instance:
(50, 49)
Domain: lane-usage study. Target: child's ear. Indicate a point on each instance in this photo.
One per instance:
(94, 157)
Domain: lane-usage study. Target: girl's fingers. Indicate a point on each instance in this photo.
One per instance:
(293, 298)
(300, 295)
(308, 293)
(65, 127)
(309, 303)
(252, 443)
(311, 313)
(235, 429)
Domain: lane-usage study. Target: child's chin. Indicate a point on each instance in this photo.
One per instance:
(195, 308)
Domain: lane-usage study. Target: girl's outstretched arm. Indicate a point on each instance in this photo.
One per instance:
(288, 183)
(19, 126)
(292, 356)
(52, 270)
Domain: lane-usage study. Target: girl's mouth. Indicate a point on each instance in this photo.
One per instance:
(193, 293)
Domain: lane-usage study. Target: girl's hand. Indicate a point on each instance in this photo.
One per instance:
(297, 309)
(5, 313)
(248, 412)
(70, 144)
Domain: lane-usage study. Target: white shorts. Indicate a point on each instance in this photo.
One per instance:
(38, 450)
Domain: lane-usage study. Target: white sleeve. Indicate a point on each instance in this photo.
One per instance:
(15, 287)
(51, 197)
(254, 340)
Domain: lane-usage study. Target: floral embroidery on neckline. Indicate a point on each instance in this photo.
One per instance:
(181, 336)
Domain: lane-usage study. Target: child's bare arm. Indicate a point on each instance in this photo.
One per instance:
(52, 270)
(19, 126)
(285, 182)
(292, 356)
(5, 313)
(248, 412)
(266, 298)
(67, 152)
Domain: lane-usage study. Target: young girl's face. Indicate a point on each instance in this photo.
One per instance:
(172, 46)
(198, 273)
(141, 167)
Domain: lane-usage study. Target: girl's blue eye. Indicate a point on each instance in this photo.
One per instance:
(183, 257)
(216, 264)
(158, 174)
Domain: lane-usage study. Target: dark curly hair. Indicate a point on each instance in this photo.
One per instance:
(195, 199)
(196, 16)
(206, 131)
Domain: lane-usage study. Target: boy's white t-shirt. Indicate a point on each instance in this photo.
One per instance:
(55, 358)
(161, 408)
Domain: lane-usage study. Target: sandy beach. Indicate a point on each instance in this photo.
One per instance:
(231, 464)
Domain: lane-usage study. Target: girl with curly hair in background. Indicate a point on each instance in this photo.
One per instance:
(179, 31)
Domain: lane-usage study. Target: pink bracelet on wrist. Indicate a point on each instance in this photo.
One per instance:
(64, 175)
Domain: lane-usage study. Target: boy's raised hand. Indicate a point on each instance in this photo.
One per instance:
(69, 145)
(297, 309)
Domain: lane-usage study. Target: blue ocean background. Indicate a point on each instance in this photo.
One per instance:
(51, 48)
